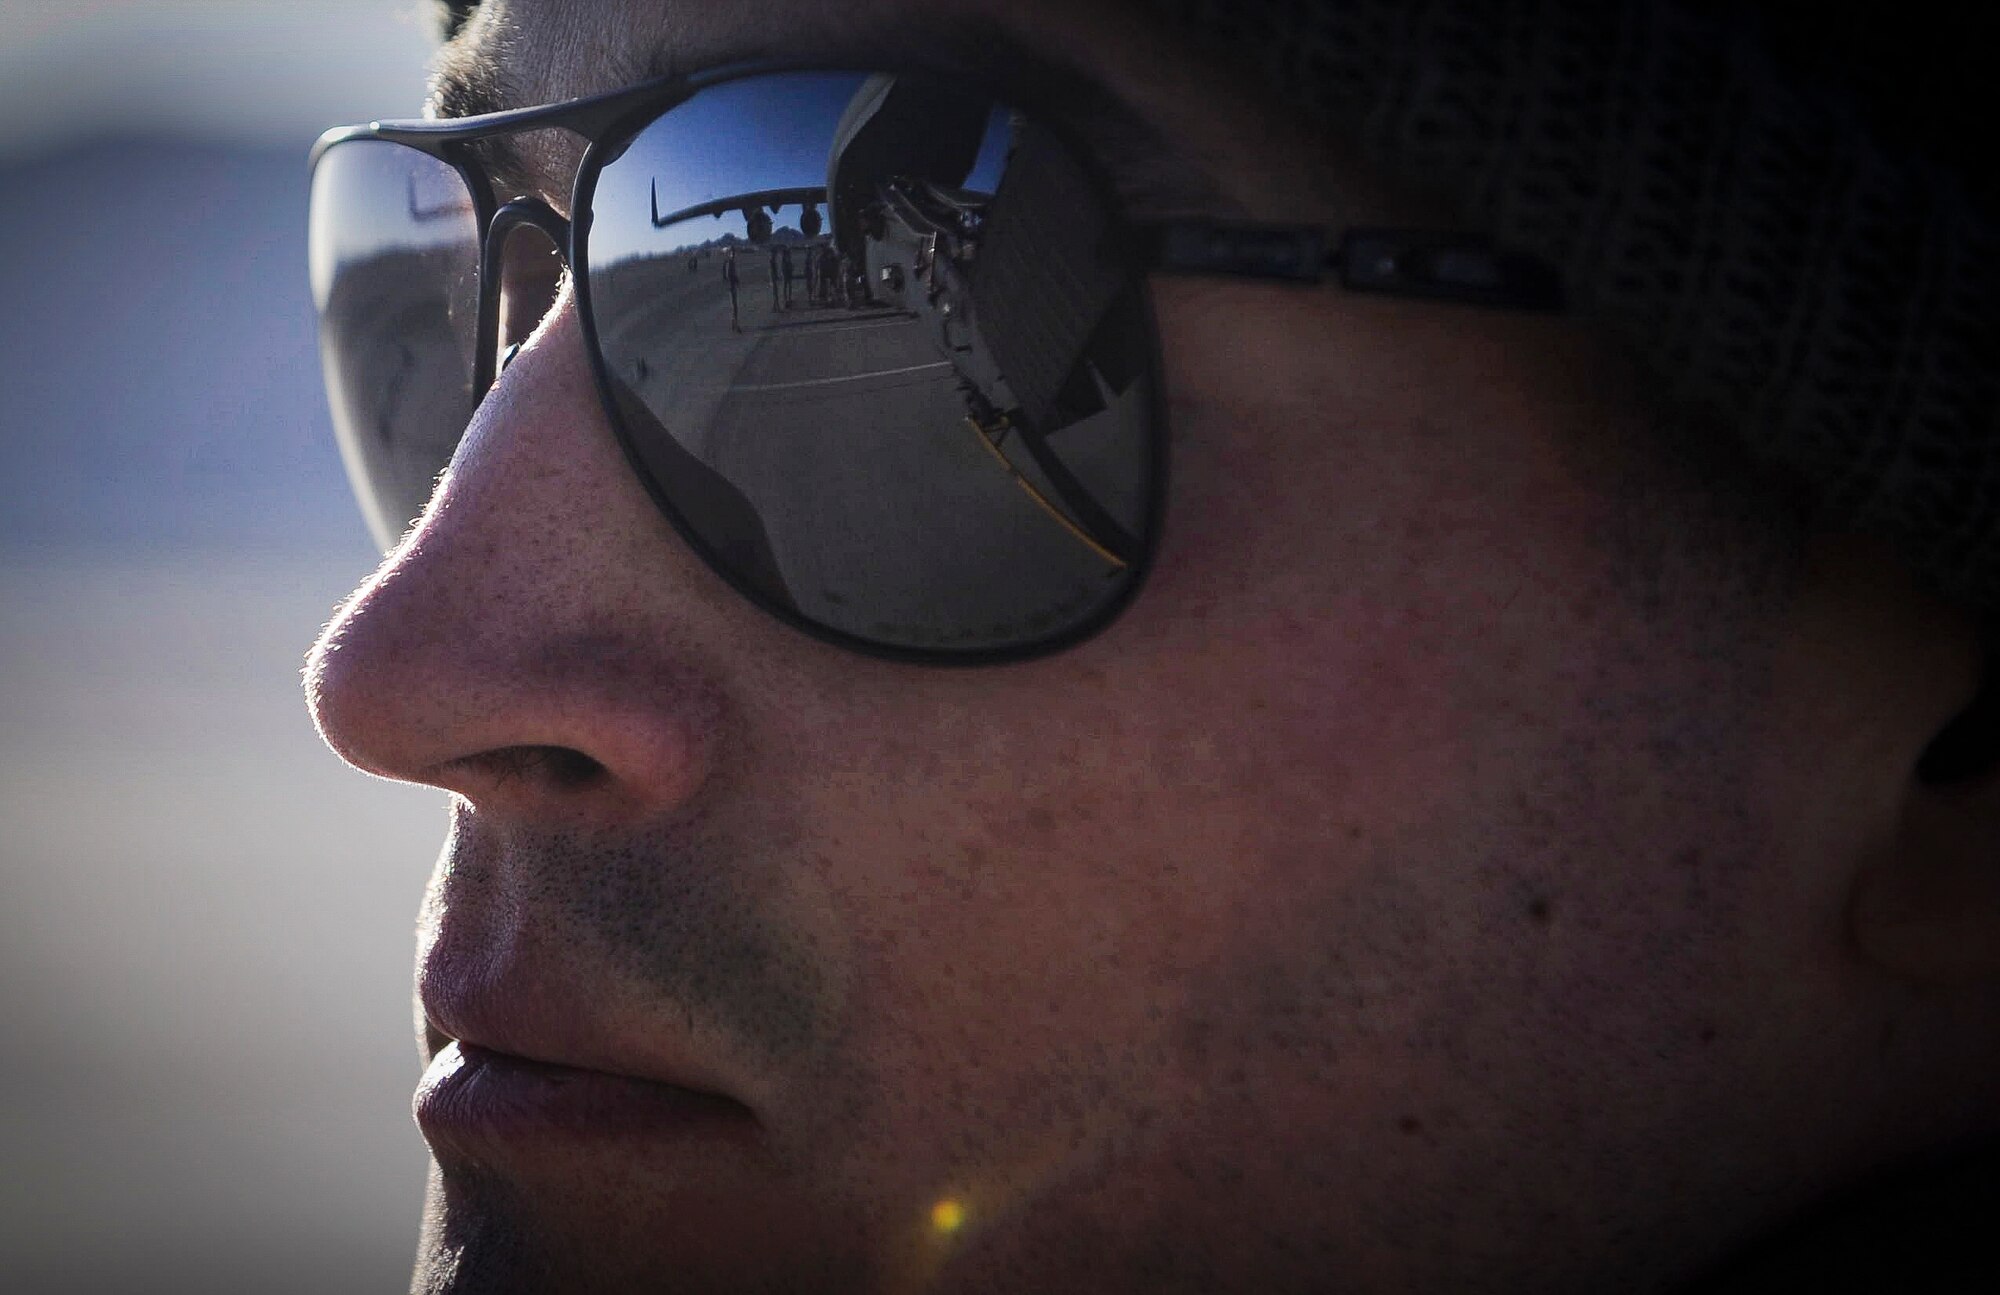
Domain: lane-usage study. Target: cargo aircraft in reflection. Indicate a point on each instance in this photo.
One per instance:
(1017, 286)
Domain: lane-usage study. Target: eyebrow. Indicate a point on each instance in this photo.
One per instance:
(1145, 168)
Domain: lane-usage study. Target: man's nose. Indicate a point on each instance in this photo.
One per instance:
(536, 643)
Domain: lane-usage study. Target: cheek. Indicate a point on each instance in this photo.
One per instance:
(1139, 804)
(1344, 616)
(1040, 889)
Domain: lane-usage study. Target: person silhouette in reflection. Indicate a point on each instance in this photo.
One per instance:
(733, 278)
(785, 256)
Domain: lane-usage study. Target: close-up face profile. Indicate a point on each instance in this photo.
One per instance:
(1059, 670)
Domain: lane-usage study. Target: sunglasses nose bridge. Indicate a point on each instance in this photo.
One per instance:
(489, 356)
(512, 215)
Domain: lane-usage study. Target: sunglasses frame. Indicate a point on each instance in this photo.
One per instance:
(1432, 265)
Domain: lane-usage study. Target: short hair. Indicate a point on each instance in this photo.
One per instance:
(452, 15)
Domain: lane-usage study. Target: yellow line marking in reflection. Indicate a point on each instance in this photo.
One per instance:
(827, 382)
(1082, 536)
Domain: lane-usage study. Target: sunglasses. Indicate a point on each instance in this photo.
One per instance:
(878, 345)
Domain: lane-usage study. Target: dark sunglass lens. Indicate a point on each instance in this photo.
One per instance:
(872, 341)
(394, 256)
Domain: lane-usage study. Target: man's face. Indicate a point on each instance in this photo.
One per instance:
(1415, 872)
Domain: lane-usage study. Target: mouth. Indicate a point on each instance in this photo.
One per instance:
(482, 1105)
(527, 1069)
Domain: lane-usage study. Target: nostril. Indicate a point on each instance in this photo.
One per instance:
(572, 769)
(561, 767)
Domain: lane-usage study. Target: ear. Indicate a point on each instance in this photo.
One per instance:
(1928, 910)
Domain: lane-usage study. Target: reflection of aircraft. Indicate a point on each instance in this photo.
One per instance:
(453, 204)
(753, 206)
(1020, 292)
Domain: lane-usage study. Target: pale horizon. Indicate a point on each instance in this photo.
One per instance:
(241, 72)
(206, 1055)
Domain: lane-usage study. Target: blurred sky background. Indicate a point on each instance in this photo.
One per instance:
(206, 1050)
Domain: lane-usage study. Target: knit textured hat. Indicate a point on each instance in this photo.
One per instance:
(1781, 209)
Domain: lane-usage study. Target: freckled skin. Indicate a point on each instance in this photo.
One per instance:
(1425, 882)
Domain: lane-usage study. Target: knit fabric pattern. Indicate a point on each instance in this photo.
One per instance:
(1748, 232)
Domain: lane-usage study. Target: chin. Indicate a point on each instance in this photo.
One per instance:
(615, 1235)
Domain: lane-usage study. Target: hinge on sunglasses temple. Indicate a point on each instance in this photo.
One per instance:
(1436, 266)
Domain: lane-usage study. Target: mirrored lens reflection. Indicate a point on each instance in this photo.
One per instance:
(868, 337)
(394, 259)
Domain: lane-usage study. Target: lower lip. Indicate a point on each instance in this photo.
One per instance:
(477, 1102)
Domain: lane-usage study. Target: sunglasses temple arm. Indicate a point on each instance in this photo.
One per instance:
(1437, 266)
